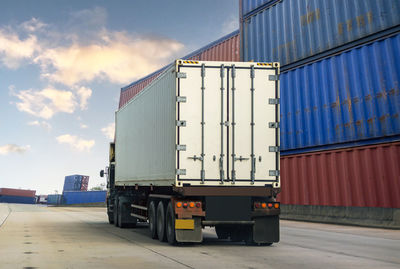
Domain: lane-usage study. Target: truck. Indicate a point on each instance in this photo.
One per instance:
(199, 147)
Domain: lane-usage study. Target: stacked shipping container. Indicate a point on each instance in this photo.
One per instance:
(339, 90)
(224, 49)
(76, 183)
(19, 196)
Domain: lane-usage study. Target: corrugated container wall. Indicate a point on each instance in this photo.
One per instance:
(226, 48)
(17, 192)
(17, 199)
(54, 199)
(84, 197)
(352, 96)
(366, 176)
(290, 30)
(250, 5)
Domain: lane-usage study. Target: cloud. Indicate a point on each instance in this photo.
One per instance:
(83, 126)
(14, 50)
(43, 124)
(117, 57)
(33, 25)
(109, 131)
(76, 142)
(45, 103)
(230, 25)
(84, 95)
(12, 148)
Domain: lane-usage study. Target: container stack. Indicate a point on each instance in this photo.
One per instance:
(340, 97)
(84, 197)
(54, 199)
(224, 49)
(18, 196)
(76, 183)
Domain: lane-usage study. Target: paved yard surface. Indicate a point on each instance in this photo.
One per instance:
(34, 236)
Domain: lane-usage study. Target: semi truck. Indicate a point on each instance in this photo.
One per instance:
(199, 147)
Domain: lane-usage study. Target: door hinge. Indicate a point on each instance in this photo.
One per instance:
(181, 75)
(273, 77)
(274, 173)
(181, 123)
(273, 125)
(274, 101)
(181, 147)
(181, 172)
(181, 99)
(273, 149)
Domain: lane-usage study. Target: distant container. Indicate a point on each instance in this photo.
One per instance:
(291, 30)
(84, 183)
(352, 96)
(54, 199)
(226, 48)
(366, 176)
(17, 192)
(17, 199)
(76, 183)
(84, 197)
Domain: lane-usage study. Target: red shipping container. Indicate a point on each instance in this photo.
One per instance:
(17, 192)
(225, 49)
(367, 176)
(84, 183)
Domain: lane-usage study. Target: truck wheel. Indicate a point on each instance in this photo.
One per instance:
(110, 214)
(115, 215)
(161, 222)
(222, 232)
(170, 224)
(152, 220)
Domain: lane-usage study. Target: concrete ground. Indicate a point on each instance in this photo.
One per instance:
(54, 237)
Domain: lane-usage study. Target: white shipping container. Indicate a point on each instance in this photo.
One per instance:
(202, 123)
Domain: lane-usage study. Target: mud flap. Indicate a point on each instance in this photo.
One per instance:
(266, 229)
(195, 235)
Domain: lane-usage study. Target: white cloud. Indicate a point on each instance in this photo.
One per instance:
(12, 148)
(45, 103)
(230, 25)
(43, 124)
(76, 142)
(109, 131)
(83, 126)
(118, 58)
(14, 50)
(33, 25)
(84, 95)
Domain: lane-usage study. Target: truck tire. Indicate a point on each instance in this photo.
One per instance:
(161, 222)
(110, 214)
(170, 225)
(152, 220)
(115, 215)
(222, 232)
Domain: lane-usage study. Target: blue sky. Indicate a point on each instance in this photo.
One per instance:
(62, 64)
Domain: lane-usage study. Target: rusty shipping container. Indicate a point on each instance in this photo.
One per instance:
(226, 48)
(17, 192)
(367, 176)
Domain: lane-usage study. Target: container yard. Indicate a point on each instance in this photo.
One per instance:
(259, 134)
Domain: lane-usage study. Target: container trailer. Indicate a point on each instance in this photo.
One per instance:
(199, 146)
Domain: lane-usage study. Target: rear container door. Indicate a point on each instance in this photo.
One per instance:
(227, 124)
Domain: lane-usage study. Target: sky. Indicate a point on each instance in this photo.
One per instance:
(62, 65)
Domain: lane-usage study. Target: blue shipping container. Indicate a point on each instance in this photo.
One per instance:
(84, 197)
(17, 199)
(54, 199)
(291, 30)
(353, 96)
(72, 183)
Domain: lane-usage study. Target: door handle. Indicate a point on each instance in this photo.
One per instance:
(241, 159)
